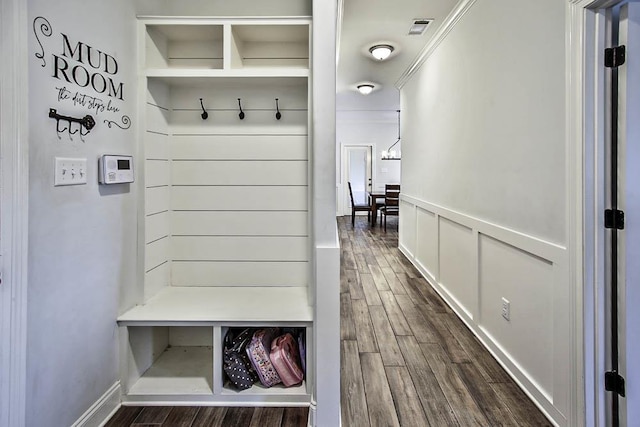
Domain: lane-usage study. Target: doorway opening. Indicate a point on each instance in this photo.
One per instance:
(358, 170)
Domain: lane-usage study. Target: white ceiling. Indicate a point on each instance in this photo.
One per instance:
(369, 22)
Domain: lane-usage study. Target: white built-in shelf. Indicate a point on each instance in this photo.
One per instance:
(222, 305)
(178, 371)
(231, 44)
(266, 77)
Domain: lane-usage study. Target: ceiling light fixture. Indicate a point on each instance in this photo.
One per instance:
(381, 51)
(365, 89)
(389, 153)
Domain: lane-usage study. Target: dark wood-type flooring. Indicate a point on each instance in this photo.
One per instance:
(407, 360)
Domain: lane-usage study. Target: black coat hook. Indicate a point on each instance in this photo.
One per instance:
(278, 114)
(204, 114)
(241, 115)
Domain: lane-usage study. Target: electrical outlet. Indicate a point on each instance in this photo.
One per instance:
(70, 171)
(506, 309)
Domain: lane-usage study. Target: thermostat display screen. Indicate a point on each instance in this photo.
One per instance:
(115, 169)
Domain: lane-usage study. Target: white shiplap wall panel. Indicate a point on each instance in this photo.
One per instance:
(236, 223)
(156, 173)
(226, 273)
(156, 253)
(239, 172)
(255, 94)
(221, 198)
(261, 122)
(156, 180)
(157, 226)
(239, 147)
(156, 146)
(239, 248)
(157, 119)
(236, 199)
(156, 200)
(156, 279)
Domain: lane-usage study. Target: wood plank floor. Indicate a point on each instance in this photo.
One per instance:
(191, 416)
(406, 357)
(407, 360)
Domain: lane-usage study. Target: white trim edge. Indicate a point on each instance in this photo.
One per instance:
(449, 23)
(15, 214)
(101, 411)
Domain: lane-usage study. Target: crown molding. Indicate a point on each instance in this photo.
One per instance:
(449, 23)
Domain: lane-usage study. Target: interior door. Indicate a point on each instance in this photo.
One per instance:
(622, 380)
(358, 171)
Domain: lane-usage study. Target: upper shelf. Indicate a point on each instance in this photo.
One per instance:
(233, 46)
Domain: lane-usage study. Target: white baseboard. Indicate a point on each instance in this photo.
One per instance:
(101, 411)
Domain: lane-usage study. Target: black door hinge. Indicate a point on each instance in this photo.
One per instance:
(614, 56)
(614, 218)
(614, 382)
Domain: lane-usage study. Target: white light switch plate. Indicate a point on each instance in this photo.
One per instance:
(70, 171)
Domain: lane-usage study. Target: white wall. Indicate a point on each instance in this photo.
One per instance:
(82, 239)
(483, 173)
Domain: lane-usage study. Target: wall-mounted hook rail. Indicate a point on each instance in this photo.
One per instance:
(278, 114)
(204, 114)
(241, 115)
(87, 122)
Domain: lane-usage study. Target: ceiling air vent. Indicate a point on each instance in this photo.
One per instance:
(418, 27)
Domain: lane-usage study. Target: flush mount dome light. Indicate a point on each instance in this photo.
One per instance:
(381, 51)
(365, 89)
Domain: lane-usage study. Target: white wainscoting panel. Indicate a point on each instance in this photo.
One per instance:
(473, 264)
(407, 226)
(457, 261)
(526, 281)
(427, 242)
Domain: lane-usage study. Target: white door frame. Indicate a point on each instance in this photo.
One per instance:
(344, 190)
(14, 185)
(585, 173)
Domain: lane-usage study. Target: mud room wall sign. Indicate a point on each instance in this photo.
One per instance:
(86, 77)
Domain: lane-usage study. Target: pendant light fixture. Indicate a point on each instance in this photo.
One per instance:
(390, 153)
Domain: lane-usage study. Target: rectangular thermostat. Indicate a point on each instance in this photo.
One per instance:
(115, 169)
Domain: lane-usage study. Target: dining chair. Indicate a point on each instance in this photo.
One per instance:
(391, 203)
(357, 208)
